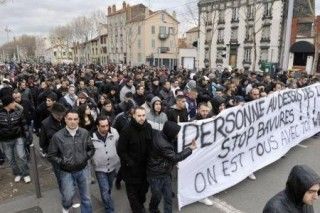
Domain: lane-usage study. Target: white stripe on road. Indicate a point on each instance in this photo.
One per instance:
(223, 206)
(302, 146)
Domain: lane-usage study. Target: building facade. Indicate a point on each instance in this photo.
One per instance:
(153, 39)
(91, 52)
(239, 33)
(116, 22)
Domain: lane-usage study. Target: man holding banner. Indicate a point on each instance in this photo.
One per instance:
(161, 161)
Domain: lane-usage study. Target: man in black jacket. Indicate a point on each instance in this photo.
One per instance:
(12, 131)
(302, 189)
(178, 112)
(132, 149)
(71, 148)
(49, 127)
(162, 158)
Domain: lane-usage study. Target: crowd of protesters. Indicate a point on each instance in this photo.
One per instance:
(117, 123)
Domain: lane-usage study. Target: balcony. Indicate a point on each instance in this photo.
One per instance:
(220, 41)
(266, 16)
(246, 62)
(265, 40)
(235, 20)
(164, 49)
(248, 40)
(233, 41)
(163, 36)
(221, 21)
(219, 61)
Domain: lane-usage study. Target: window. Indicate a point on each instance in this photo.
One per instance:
(139, 43)
(221, 16)
(234, 34)
(171, 30)
(265, 33)
(264, 54)
(267, 13)
(153, 43)
(304, 29)
(139, 30)
(162, 17)
(250, 12)
(162, 30)
(247, 55)
(249, 33)
(139, 57)
(235, 14)
(220, 34)
(153, 30)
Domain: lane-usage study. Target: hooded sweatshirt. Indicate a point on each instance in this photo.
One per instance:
(290, 200)
(156, 120)
(162, 156)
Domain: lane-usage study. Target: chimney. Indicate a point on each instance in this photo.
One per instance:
(114, 9)
(146, 12)
(174, 14)
(109, 10)
(124, 5)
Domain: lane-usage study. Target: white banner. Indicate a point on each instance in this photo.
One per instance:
(244, 139)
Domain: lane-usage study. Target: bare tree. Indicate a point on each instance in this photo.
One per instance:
(209, 18)
(61, 38)
(22, 47)
(253, 15)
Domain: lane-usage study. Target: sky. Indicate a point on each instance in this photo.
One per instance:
(37, 17)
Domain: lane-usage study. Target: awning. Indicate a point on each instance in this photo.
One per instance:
(302, 47)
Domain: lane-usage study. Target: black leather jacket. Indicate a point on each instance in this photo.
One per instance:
(71, 153)
(49, 127)
(12, 124)
(162, 156)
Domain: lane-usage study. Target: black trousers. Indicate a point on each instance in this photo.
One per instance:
(137, 196)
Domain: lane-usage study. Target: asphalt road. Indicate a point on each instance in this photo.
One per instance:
(247, 196)
(250, 196)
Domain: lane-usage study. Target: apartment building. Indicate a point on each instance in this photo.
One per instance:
(238, 33)
(153, 39)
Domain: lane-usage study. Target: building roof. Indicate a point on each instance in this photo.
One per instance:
(192, 30)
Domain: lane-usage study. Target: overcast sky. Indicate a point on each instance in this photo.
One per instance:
(37, 17)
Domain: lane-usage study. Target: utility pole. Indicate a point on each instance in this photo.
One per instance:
(287, 40)
(7, 30)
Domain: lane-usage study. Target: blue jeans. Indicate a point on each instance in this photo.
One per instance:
(56, 170)
(160, 186)
(105, 181)
(69, 180)
(16, 155)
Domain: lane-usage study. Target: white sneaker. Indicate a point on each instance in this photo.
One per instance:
(17, 179)
(206, 201)
(252, 177)
(27, 179)
(76, 205)
(65, 210)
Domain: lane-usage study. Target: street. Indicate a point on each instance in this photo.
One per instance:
(247, 196)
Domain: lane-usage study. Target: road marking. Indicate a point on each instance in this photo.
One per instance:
(302, 146)
(225, 207)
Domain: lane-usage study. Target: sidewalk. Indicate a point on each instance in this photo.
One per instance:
(50, 203)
